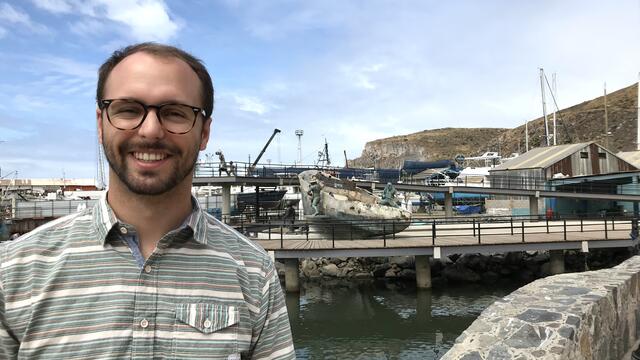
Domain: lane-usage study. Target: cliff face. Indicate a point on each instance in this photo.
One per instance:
(578, 123)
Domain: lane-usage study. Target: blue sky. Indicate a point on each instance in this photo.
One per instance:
(348, 71)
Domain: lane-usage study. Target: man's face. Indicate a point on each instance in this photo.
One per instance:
(149, 160)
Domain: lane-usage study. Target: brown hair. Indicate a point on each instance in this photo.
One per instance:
(164, 51)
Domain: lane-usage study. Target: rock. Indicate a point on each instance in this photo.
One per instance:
(489, 277)
(380, 270)
(407, 274)
(362, 275)
(391, 273)
(329, 270)
(460, 274)
(309, 268)
(403, 261)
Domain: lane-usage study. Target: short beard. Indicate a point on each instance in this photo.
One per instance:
(140, 186)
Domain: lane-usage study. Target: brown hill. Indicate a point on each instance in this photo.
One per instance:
(578, 123)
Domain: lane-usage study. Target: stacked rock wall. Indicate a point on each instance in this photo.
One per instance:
(588, 315)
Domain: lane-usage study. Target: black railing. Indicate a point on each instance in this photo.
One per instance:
(441, 232)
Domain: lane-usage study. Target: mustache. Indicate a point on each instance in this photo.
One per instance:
(149, 145)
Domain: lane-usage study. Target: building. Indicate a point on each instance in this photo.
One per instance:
(585, 167)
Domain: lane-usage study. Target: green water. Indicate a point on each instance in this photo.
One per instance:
(384, 320)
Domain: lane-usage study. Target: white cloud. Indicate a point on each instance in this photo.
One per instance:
(361, 76)
(145, 20)
(251, 104)
(54, 6)
(14, 16)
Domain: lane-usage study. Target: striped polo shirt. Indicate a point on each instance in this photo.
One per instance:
(72, 289)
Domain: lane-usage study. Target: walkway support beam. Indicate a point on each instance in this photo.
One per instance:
(533, 207)
(226, 202)
(423, 272)
(448, 204)
(291, 275)
(556, 262)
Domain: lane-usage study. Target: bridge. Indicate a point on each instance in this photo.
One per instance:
(436, 238)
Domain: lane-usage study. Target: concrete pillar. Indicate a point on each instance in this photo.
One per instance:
(423, 272)
(556, 262)
(291, 275)
(226, 202)
(423, 305)
(448, 204)
(533, 207)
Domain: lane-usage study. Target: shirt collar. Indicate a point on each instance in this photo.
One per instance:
(105, 220)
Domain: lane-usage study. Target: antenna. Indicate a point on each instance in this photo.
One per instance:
(299, 134)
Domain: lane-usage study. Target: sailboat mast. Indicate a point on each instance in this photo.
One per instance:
(544, 107)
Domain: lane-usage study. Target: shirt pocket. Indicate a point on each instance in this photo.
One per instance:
(206, 330)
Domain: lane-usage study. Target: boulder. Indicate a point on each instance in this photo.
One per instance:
(380, 270)
(460, 274)
(403, 261)
(330, 270)
(309, 268)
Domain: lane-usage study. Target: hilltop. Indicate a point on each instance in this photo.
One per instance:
(579, 123)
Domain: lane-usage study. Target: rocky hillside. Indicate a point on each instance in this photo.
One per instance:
(578, 123)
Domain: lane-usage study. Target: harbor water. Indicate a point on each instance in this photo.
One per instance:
(380, 320)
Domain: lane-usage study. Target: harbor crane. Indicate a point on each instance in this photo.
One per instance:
(252, 167)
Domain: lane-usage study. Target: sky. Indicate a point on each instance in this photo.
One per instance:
(348, 71)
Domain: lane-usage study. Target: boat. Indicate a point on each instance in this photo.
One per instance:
(267, 199)
(349, 212)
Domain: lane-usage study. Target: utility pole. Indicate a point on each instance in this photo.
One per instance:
(606, 119)
(554, 94)
(544, 107)
(638, 116)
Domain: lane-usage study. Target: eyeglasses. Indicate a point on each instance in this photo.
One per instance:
(126, 114)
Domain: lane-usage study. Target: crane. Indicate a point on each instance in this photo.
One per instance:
(253, 166)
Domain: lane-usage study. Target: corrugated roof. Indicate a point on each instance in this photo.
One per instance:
(632, 157)
(541, 157)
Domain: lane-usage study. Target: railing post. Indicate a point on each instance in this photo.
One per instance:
(269, 226)
(511, 222)
(307, 229)
(433, 232)
(547, 226)
(384, 234)
(393, 229)
(478, 233)
(474, 227)
(606, 235)
(281, 238)
(564, 226)
(522, 231)
(333, 235)
(613, 223)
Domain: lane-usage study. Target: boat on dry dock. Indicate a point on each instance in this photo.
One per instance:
(346, 211)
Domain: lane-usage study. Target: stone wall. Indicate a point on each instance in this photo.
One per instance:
(588, 315)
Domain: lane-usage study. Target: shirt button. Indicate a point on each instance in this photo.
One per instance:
(147, 269)
(123, 230)
(207, 323)
(144, 323)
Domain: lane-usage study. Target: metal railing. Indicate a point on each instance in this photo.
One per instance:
(439, 231)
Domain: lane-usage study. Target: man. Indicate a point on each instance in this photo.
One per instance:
(146, 273)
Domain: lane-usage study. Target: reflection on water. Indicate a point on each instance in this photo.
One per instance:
(383, 320)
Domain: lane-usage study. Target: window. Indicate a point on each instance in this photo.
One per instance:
(602, 155)
(584, 155)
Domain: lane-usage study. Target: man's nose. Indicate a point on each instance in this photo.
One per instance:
(151, 126)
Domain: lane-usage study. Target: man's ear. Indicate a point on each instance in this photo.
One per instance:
(204, 136)
(99, 123)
